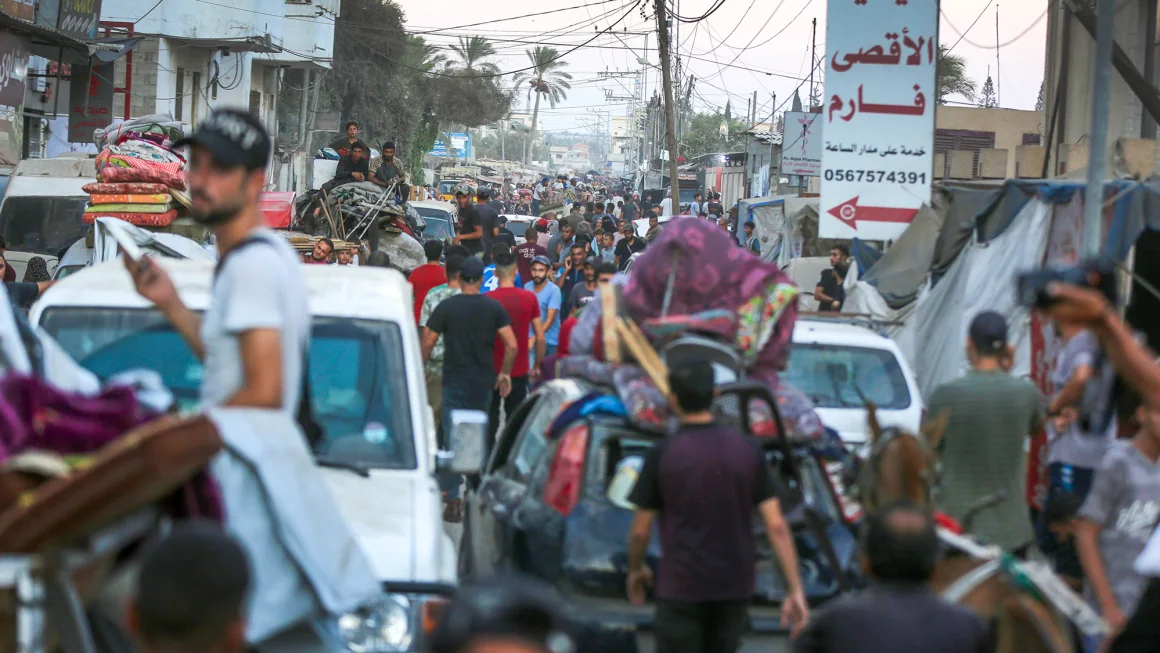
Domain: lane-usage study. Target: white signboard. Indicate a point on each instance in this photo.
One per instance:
(802, 152)
(879, 116)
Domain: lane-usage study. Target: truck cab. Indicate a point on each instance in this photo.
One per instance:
(378, 454)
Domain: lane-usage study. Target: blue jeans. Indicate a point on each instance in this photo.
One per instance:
(464, 396)
(536, 208)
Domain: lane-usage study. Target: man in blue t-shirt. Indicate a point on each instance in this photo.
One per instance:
(490, 280)
(550, 299)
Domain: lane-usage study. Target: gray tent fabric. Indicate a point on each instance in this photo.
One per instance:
(902, 270)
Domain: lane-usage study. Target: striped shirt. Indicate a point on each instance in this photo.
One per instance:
(981, 451)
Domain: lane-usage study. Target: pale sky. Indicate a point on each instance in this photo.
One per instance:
(766, 36)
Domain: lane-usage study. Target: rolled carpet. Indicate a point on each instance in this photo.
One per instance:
(138, 219)
(124, 207)
(156, 198)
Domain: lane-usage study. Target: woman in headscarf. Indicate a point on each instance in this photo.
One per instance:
(24, 294)
(36, 271)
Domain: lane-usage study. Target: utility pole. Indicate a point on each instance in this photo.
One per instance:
(998, 71)
(813, 64)
(1098, 134)
(753, 121)
(670, 121)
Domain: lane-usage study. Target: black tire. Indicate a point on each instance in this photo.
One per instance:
(463, 566)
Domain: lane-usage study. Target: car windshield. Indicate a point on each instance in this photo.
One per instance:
(438, 223)
(838, 376)
(44, 225)
(446, 186)
(357, 381)
(686, 195)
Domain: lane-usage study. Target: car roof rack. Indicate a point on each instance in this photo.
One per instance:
(864, 320)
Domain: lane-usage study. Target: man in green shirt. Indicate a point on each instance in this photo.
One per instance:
(988, 414)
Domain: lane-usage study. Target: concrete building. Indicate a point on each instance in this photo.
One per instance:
(1068, 85)
(974, 143)
(199, 55)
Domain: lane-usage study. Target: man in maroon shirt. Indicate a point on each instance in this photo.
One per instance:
(427, 276)
(702, 484)
(529, 250)
(523, 308)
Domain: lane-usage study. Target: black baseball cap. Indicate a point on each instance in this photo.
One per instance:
(988, 333)
(233, 137)
(471, 269)
(483, 191)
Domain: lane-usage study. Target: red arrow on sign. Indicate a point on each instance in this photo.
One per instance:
(850, 213)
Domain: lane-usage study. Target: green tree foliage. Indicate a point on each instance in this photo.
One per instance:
(987, 97)
(472, 54)
(952, 76)
(401, 88)
(703, 135)
(546, 78)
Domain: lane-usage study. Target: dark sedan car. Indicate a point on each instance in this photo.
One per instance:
(557, 509)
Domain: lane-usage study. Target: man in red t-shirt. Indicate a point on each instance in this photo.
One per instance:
(529, 250)
(523, 308)
(427, 276)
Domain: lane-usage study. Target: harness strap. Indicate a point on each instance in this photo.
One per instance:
(962, 587)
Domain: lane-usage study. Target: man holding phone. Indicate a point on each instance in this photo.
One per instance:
(254, 336)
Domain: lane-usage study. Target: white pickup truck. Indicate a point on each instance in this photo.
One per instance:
(379, 453)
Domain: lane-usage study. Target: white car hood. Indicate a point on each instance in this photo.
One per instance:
(850, 423)
(395, 518)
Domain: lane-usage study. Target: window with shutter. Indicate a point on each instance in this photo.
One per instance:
(946, 140)
(1032, 139)
(255, 102)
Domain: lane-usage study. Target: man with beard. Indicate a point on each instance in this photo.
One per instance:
(254, 336)
(548, 295)
(389, 172)
(523, 309)
(627, 246)
(320, 254)
(470, 228)
(573, 272)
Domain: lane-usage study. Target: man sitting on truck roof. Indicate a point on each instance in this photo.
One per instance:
(389, 173)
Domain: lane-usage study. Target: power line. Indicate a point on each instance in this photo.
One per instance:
(992, 46)
(973, 23)
(501, 20)
(758, 33)
(702, 17)
(635, 4)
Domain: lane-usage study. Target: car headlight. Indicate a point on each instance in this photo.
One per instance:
(383, 627)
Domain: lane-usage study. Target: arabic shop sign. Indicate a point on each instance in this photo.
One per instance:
(23, 9)
(877, 157)
(802, 152)
(13, 69)
(90, 96)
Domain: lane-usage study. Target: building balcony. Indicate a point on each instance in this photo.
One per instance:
(238, 25)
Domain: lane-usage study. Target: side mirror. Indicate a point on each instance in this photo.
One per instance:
(467, 439)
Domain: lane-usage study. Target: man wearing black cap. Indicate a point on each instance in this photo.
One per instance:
(254, 336)
(469, 323)
(984, 418)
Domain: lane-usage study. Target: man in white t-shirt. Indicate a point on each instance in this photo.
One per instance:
(254, 336)
(667, 205)
(538, 196)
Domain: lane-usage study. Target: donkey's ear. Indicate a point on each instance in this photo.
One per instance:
(933, 429)
(872, 422)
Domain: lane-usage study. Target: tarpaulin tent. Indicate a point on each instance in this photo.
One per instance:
(946, 274)
(777, 222)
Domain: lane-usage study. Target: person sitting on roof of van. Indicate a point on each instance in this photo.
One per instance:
(351, 168)
(390, 173)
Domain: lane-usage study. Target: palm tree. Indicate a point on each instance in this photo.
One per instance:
(421, 55)
(472, 52)
(546, 77)
(952, 76)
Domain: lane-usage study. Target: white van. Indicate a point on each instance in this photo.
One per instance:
(43, 205)
(379, 450)
(840, 363)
